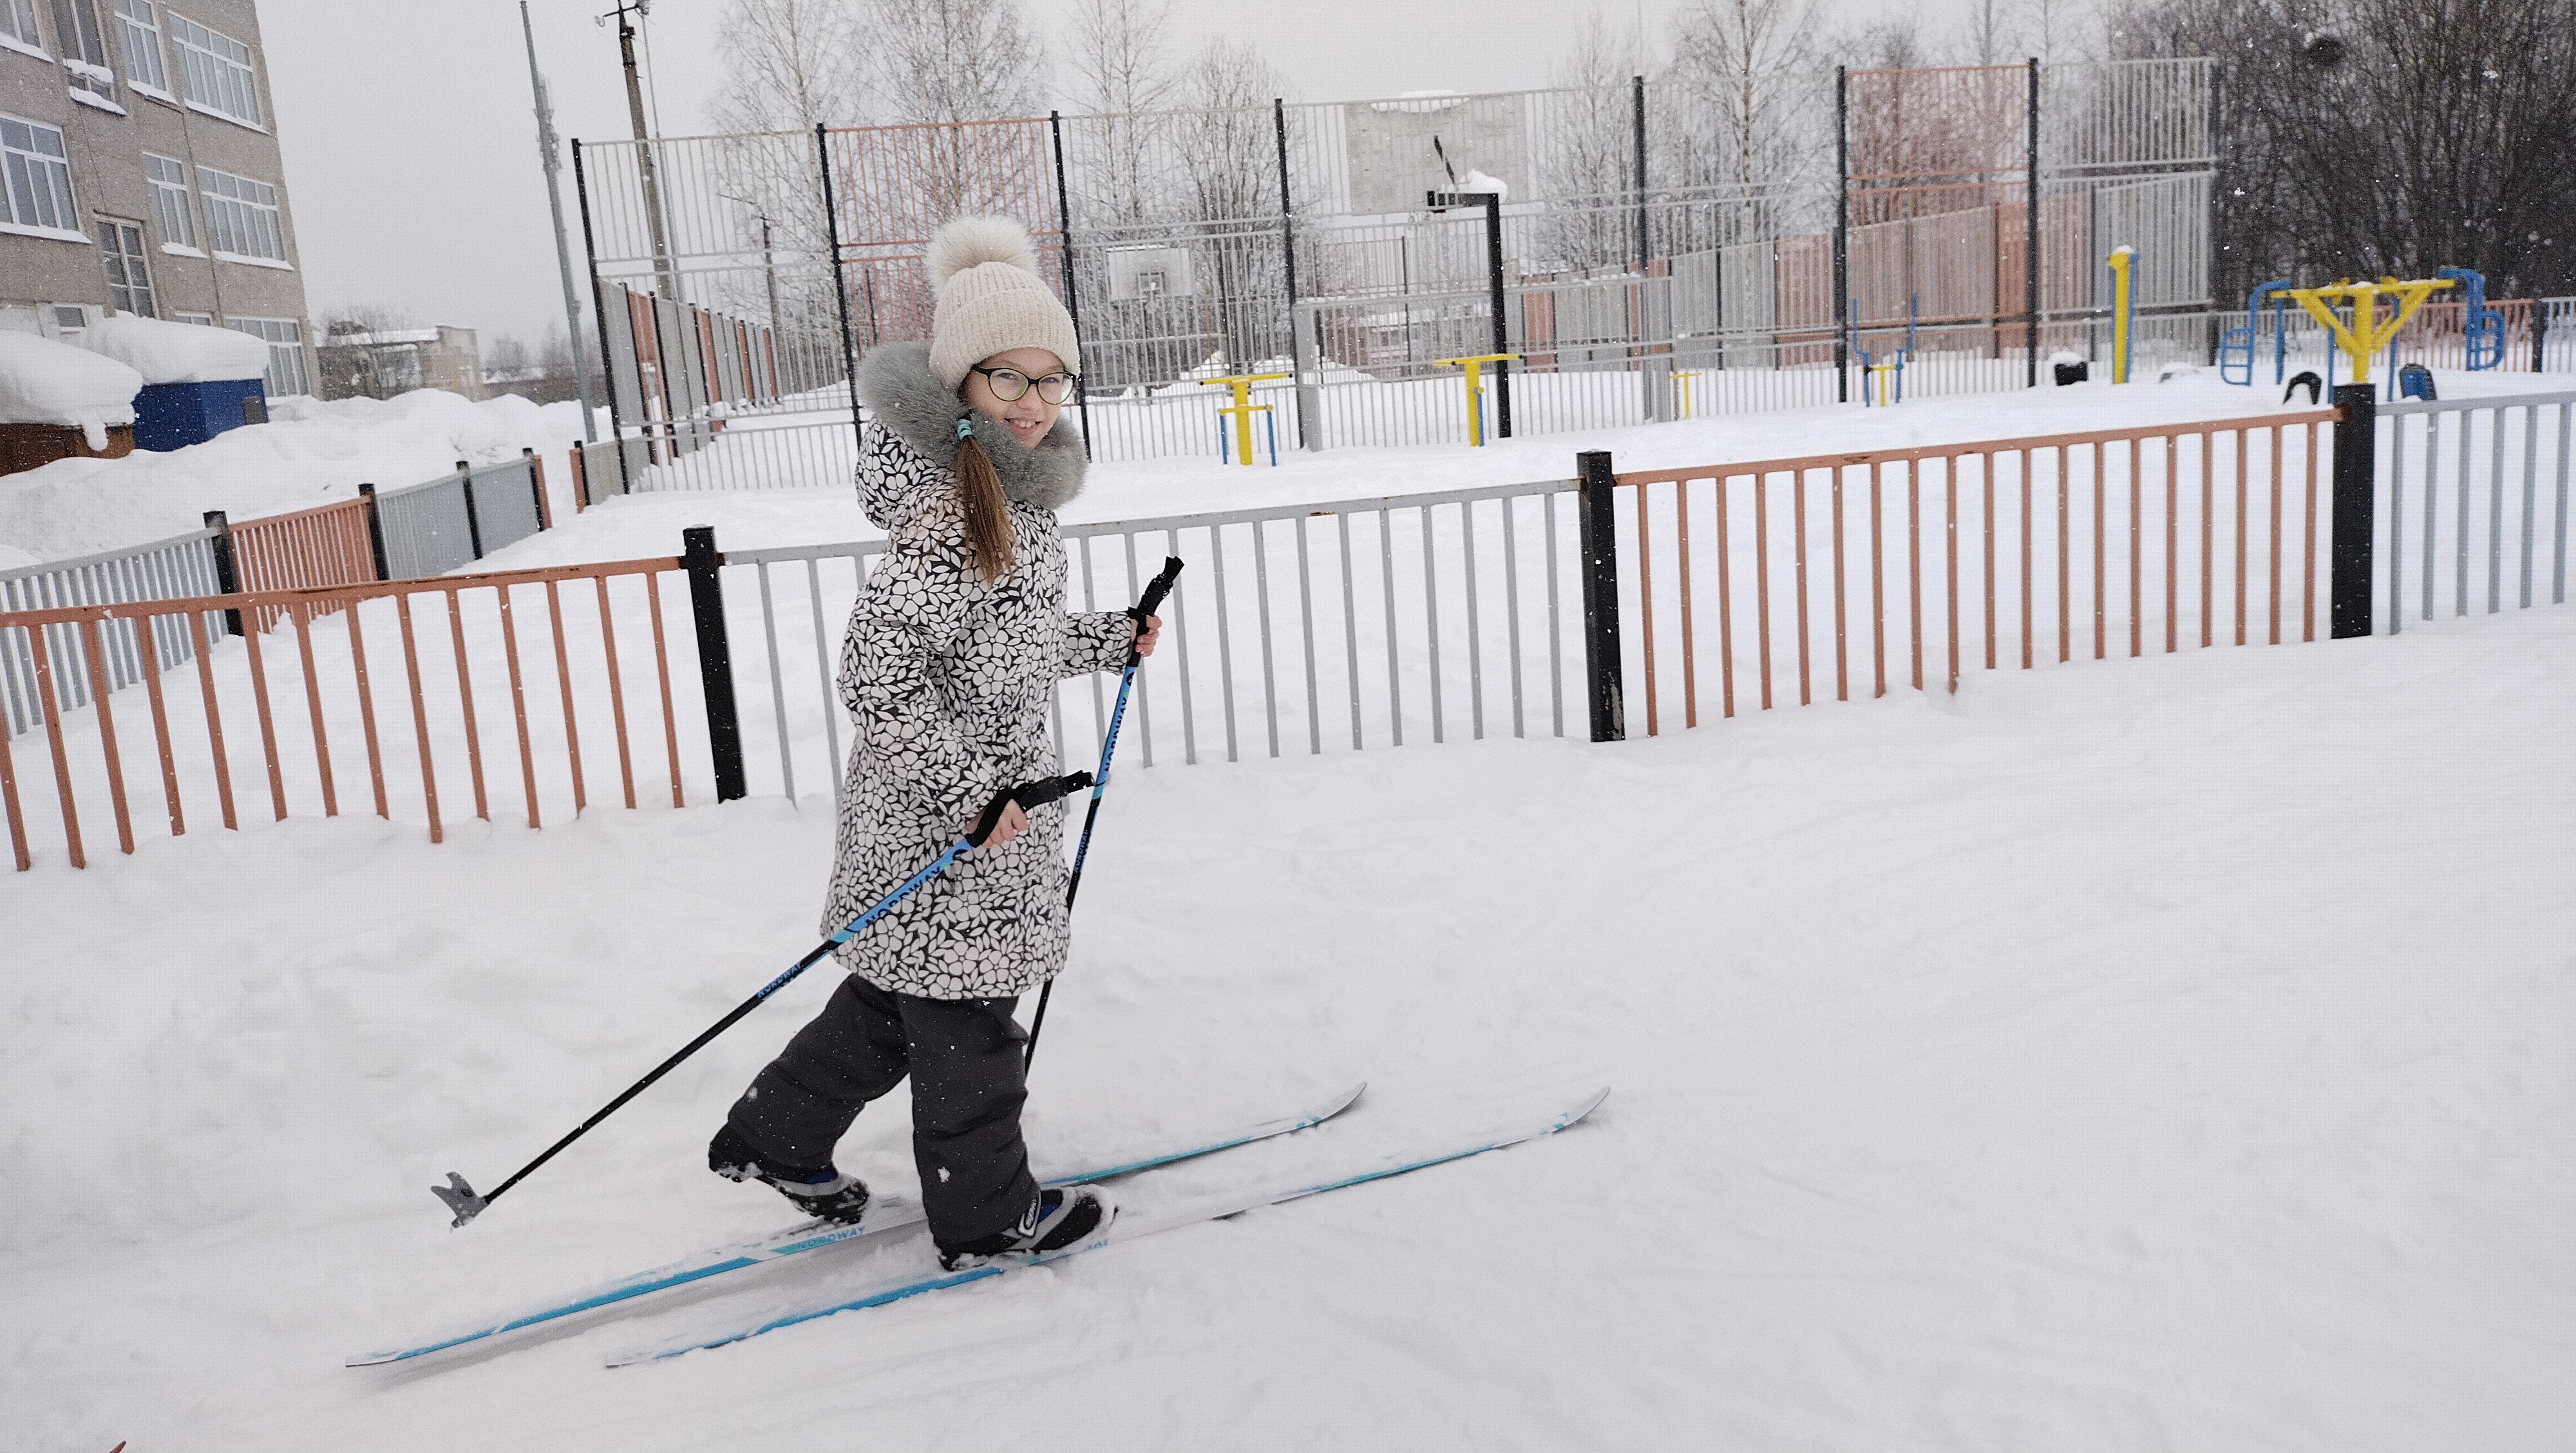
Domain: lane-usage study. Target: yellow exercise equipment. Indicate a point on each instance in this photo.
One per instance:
(2122, 259)
(1475, 366)
(1243, 408)
(2366, 334)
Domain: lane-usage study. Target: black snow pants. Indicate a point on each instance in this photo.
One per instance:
(966, 1059)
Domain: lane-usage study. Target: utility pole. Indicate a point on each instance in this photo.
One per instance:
(768, 263)
(547, 152)
(664, 274)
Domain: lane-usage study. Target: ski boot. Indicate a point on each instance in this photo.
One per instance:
(820, 1192)
(1055, 1220)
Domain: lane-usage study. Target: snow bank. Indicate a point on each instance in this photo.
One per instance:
(176, 352)
(309, 453)
(45, 382)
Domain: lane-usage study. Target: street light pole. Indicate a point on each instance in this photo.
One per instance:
(548, 153)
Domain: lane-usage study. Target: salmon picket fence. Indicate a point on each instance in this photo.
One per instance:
(495, 680)
(1835, 573)
(328, 545)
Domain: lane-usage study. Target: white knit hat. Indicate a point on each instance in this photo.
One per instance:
(991, 299)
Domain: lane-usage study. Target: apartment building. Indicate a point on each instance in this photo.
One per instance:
(140, 173)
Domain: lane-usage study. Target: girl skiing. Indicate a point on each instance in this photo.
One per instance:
(953, 652)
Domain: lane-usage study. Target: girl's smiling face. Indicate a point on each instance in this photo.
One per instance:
(1028, 417)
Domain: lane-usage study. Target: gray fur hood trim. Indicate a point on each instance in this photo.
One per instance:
(896, 384)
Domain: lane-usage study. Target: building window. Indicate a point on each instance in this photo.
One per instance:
(84, 46)
(168, 177)
(40, 180)
(140, 29)
(214, 72)
(129, 282)
(285, 338)
(18, 27)
(202, 320)
(241, 216)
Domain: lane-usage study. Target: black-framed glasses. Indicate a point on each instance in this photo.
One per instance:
(1010, 385)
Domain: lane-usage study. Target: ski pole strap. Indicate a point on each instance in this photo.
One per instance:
(1027, 795)
(1155, 590)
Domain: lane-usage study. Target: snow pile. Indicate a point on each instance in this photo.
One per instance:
(45, 382)
(309, 453)
(2076, 1062)
(177, 352)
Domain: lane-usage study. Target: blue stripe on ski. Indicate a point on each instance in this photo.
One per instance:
(1210, 1209)
(888, 1215)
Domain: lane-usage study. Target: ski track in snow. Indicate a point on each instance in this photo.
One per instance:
(2166, 1053)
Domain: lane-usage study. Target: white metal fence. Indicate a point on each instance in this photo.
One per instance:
(172, 569)
(1295, 630)
(2477, 496)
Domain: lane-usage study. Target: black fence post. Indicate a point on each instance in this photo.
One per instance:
(2356, 437)
(1072, 297)
(715, 658)
(1502, 320)
(1287, 252)
(840, 290)
(2030, 231)
(376, 533)
(1842, 236)
(1598, 532)
(473, 526)
(537, 487)
(598, 311)
(227, 573)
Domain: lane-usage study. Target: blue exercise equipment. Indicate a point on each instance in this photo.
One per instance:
(2236, 345)
(2482, 327)
(1869, 364)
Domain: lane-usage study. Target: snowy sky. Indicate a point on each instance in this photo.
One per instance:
(411, 154)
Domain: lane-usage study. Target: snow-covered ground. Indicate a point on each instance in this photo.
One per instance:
(2178, 1053)
(309, 453)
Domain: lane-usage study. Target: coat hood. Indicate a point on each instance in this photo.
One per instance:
(907, 401)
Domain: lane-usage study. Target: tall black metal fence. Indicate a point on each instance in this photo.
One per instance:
(1951, 224)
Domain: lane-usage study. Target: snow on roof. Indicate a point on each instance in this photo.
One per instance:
(45, 382)
(389, 335)
(176, 352)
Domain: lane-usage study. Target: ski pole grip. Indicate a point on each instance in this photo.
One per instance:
(1027, 795)
(1156, 589)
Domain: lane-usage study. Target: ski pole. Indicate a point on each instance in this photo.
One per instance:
(1155, 590)
(461, 1198)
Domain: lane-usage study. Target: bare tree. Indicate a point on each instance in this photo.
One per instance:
(1233, 176)
(506, 356)
(1119, 54)
(940, 63)
(2052, 30)
(789, 65)
(2369, 137)
(953, 60)
(1751, 62)
(1593, 161)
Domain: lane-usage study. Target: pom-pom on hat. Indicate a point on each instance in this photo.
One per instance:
(991, 299)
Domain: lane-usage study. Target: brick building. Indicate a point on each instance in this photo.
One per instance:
(140, 172)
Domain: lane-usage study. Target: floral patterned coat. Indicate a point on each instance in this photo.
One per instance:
(947, 679)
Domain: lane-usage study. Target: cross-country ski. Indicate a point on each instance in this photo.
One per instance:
(886, 1215)
(1127, 1228)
